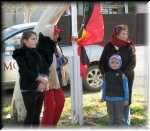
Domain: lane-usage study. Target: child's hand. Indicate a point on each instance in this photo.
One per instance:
(126, 103)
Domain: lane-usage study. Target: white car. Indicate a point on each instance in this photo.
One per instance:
(11, 40)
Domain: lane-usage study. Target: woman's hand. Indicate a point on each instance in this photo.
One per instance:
(47, 87)
(41, 87)
(42, 79)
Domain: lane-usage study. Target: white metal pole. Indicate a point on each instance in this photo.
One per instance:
(126, 7)
(76, 88)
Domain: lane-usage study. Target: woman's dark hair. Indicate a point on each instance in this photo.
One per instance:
(26, 35)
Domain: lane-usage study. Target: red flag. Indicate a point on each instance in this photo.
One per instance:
(94, 30)
(92, 34)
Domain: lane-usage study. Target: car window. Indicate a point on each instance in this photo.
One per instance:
(14, 41)
(8, 50)
(8, 31)
(11, 44)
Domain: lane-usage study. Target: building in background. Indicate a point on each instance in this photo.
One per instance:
(131, 13)
(13, 12)
(21, 12)
(140, 7)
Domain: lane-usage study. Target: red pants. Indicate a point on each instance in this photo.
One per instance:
(53, 106)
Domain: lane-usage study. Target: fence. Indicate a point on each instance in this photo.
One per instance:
(137, 24)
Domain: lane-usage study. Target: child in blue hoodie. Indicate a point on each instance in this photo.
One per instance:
(115, 91)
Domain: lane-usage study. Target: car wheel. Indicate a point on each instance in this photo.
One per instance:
(93, 81)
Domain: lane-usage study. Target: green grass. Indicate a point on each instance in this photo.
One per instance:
(92, 105)
(139, 110)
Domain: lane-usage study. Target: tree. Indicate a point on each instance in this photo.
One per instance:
(26, 8)
(9, 7)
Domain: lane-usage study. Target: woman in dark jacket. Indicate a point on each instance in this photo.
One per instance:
(46, 48)
(120, 44)
(54, 96)
(32, 72)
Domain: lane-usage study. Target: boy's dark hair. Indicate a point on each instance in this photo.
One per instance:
(26, 35)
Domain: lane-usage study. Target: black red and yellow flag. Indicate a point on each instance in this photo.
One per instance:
(93, 29)
(92, 33)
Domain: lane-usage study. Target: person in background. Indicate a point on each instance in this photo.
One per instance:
(121, 45)
(115, 91)
(32, 74)
(54, 96)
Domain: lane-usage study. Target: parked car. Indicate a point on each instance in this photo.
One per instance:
(11, 40)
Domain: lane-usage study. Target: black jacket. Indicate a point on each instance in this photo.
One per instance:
(128, 62)
(114, 83)
(46, 48)
(30, 65)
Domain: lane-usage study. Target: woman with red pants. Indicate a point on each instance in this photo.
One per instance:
(54, 96)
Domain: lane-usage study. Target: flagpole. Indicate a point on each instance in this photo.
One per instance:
(76, 84)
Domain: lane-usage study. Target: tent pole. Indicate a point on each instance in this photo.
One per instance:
(76, 88)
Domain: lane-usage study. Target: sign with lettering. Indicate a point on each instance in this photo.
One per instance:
(6, 66)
